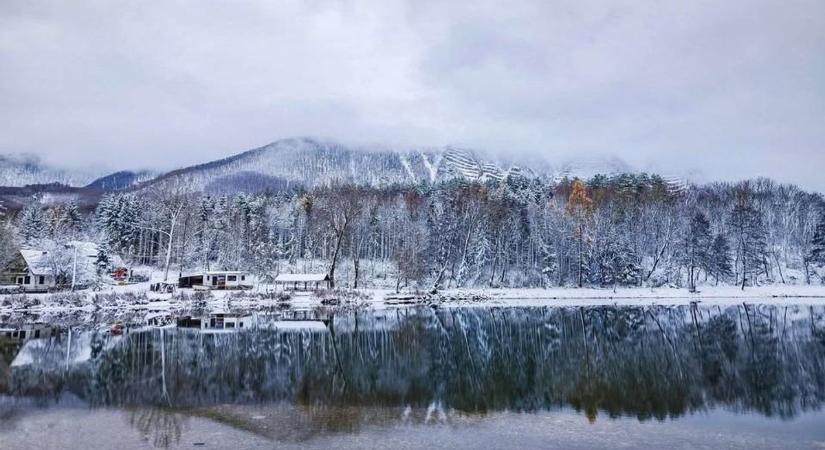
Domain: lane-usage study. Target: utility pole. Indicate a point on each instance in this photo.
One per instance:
(74, 266)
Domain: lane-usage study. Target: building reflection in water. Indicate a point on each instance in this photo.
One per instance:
(342, 371)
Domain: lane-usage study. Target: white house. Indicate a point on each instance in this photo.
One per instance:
(219, 322)
(218, 279)
(29, 331)
(34, 270)
(30, 270)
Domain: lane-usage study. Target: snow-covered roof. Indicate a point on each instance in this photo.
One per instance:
(224, 272)
(301, 277)
(36, 261)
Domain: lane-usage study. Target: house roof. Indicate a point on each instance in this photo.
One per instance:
(301, 277)
(36, 261)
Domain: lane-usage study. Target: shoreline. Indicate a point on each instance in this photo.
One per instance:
(126, 299)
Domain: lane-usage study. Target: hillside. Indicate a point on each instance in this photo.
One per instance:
(310, 162)
(307, 162)
(121, 180)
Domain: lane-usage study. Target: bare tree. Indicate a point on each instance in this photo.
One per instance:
(166, 203)
(337, 209)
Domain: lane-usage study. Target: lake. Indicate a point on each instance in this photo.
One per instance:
(735, 376)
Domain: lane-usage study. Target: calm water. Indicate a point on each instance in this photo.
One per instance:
(595, 377)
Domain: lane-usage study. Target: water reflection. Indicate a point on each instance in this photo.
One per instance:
(422, 365)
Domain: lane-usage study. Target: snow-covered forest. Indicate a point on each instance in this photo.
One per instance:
(624, 230)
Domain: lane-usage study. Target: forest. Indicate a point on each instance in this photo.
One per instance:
(608, 231)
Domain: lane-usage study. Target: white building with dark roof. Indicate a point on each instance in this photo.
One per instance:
(37, 270)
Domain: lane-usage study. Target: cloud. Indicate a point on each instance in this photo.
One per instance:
(734, 89)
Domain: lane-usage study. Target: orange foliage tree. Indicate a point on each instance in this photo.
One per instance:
(580, 209)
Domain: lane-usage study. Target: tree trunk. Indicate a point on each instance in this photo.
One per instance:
(335, 260)
(779, 267)
(581, 256)
(168, 252)
(807, 271)
(691, 282)
(658, 258)
(356, 266)
(744, 272)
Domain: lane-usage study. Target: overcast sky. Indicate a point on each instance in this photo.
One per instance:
(733, 88)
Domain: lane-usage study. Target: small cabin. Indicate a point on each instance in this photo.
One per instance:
(30, 271)
(33, 270)
(220, 280)
(305, 281)
(28, 331)
(218, 322)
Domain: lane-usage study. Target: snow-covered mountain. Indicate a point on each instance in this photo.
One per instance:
(121, 180)
(310, 162)
(22, 170)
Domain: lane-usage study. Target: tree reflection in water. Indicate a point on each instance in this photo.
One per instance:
(421, 365)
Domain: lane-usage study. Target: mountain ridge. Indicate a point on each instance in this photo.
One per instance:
(310, 162)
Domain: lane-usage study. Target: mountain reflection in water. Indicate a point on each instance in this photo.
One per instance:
(421, 363)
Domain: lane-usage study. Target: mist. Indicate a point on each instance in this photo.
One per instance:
(726, 90)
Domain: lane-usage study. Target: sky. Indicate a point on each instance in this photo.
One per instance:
(725, 89)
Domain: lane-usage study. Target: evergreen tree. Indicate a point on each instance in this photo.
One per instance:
(67, 222)
(102, 260)
(117, 217)
(620, 265)
(32, 224)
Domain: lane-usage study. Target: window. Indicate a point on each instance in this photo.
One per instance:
(28, 280)
(41, 280)
(23, 334)
(243, 277)
(36, 334)
(240, 325)
(232, 278)
(19, 280)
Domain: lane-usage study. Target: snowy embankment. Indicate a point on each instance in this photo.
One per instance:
(137, 297)
(774, 294)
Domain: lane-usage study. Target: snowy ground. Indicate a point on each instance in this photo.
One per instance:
(138, 297)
